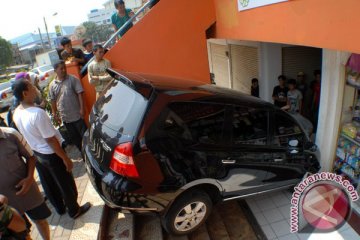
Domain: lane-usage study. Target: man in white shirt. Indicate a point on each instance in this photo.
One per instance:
(36, 127)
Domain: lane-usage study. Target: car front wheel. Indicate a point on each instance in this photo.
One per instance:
(187, 213)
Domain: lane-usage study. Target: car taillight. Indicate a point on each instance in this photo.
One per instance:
(46, 75)
(3, 95)
(122, 161)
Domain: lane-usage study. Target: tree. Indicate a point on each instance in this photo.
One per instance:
(98, 33)
(6, 56)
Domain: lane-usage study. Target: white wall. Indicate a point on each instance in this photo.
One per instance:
(270, 68)
(332, 93)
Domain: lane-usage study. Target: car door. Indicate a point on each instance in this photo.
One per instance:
(189, 142)
(249, 157)
(288, 156)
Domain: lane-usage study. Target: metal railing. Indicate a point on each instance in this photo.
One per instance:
(112, 40)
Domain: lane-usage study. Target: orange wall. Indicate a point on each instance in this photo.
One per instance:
(170, 40)
(329, 24)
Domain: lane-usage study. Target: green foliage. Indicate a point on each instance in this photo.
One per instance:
(45, 95)
(6, 57)
(98, 33)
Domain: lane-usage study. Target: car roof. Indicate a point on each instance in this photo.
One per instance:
(211, 92)
(38, 67)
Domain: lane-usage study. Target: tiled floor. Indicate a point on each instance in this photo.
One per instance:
(272, 212)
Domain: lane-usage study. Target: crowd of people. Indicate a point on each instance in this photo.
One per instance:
(30, 141)
(296, 97)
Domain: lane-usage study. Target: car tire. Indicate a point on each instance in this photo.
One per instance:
(187, 213)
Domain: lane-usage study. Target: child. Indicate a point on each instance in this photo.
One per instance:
(97, 70)
(294, 105)
(88, 47)
(294, 98)
(70, 54)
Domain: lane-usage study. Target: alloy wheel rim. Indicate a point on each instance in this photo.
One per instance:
(190, 216)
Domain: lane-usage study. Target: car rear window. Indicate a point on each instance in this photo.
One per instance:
(121, 108)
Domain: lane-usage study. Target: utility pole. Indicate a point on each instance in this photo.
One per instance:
(42, 42)
(47, 33)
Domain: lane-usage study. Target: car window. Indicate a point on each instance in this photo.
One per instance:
(120, 108)
(5, 85)
(45, 68)
(286, 129)
(196, 122)
(35, 71)
(250, 126)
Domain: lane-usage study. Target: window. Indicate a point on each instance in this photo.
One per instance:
(46, 68)
(120, 108)
(196, 122)
(286, 129)
(250, 126)
(35, 71)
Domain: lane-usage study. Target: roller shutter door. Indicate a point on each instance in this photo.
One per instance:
(245, 66)
(220, 63)
(301, 59)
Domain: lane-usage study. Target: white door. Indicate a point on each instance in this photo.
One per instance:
(220, 64)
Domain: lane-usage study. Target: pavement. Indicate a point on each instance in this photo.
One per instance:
(85, 227)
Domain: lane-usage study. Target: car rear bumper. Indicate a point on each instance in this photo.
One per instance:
(117, 191)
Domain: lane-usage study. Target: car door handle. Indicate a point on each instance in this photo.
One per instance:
(228, 161)
(278, 160)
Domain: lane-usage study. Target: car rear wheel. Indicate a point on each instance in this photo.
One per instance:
(187, 213)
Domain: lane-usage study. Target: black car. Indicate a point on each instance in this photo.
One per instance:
(175, 147)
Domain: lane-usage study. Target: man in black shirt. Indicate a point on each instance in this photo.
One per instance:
(280, 92)
(70, 54)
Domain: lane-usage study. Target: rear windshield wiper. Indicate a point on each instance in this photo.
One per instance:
(117, 76)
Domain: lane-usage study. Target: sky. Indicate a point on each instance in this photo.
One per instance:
(19, 17)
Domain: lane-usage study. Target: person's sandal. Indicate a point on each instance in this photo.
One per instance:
(83, 209)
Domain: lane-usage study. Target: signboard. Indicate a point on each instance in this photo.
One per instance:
(248, 4)
(58, 30)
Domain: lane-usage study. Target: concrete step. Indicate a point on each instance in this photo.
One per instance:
(235, 221)
(200, 234)
(148, 228)
(215, 225)
(120, 226)
(172, 237)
